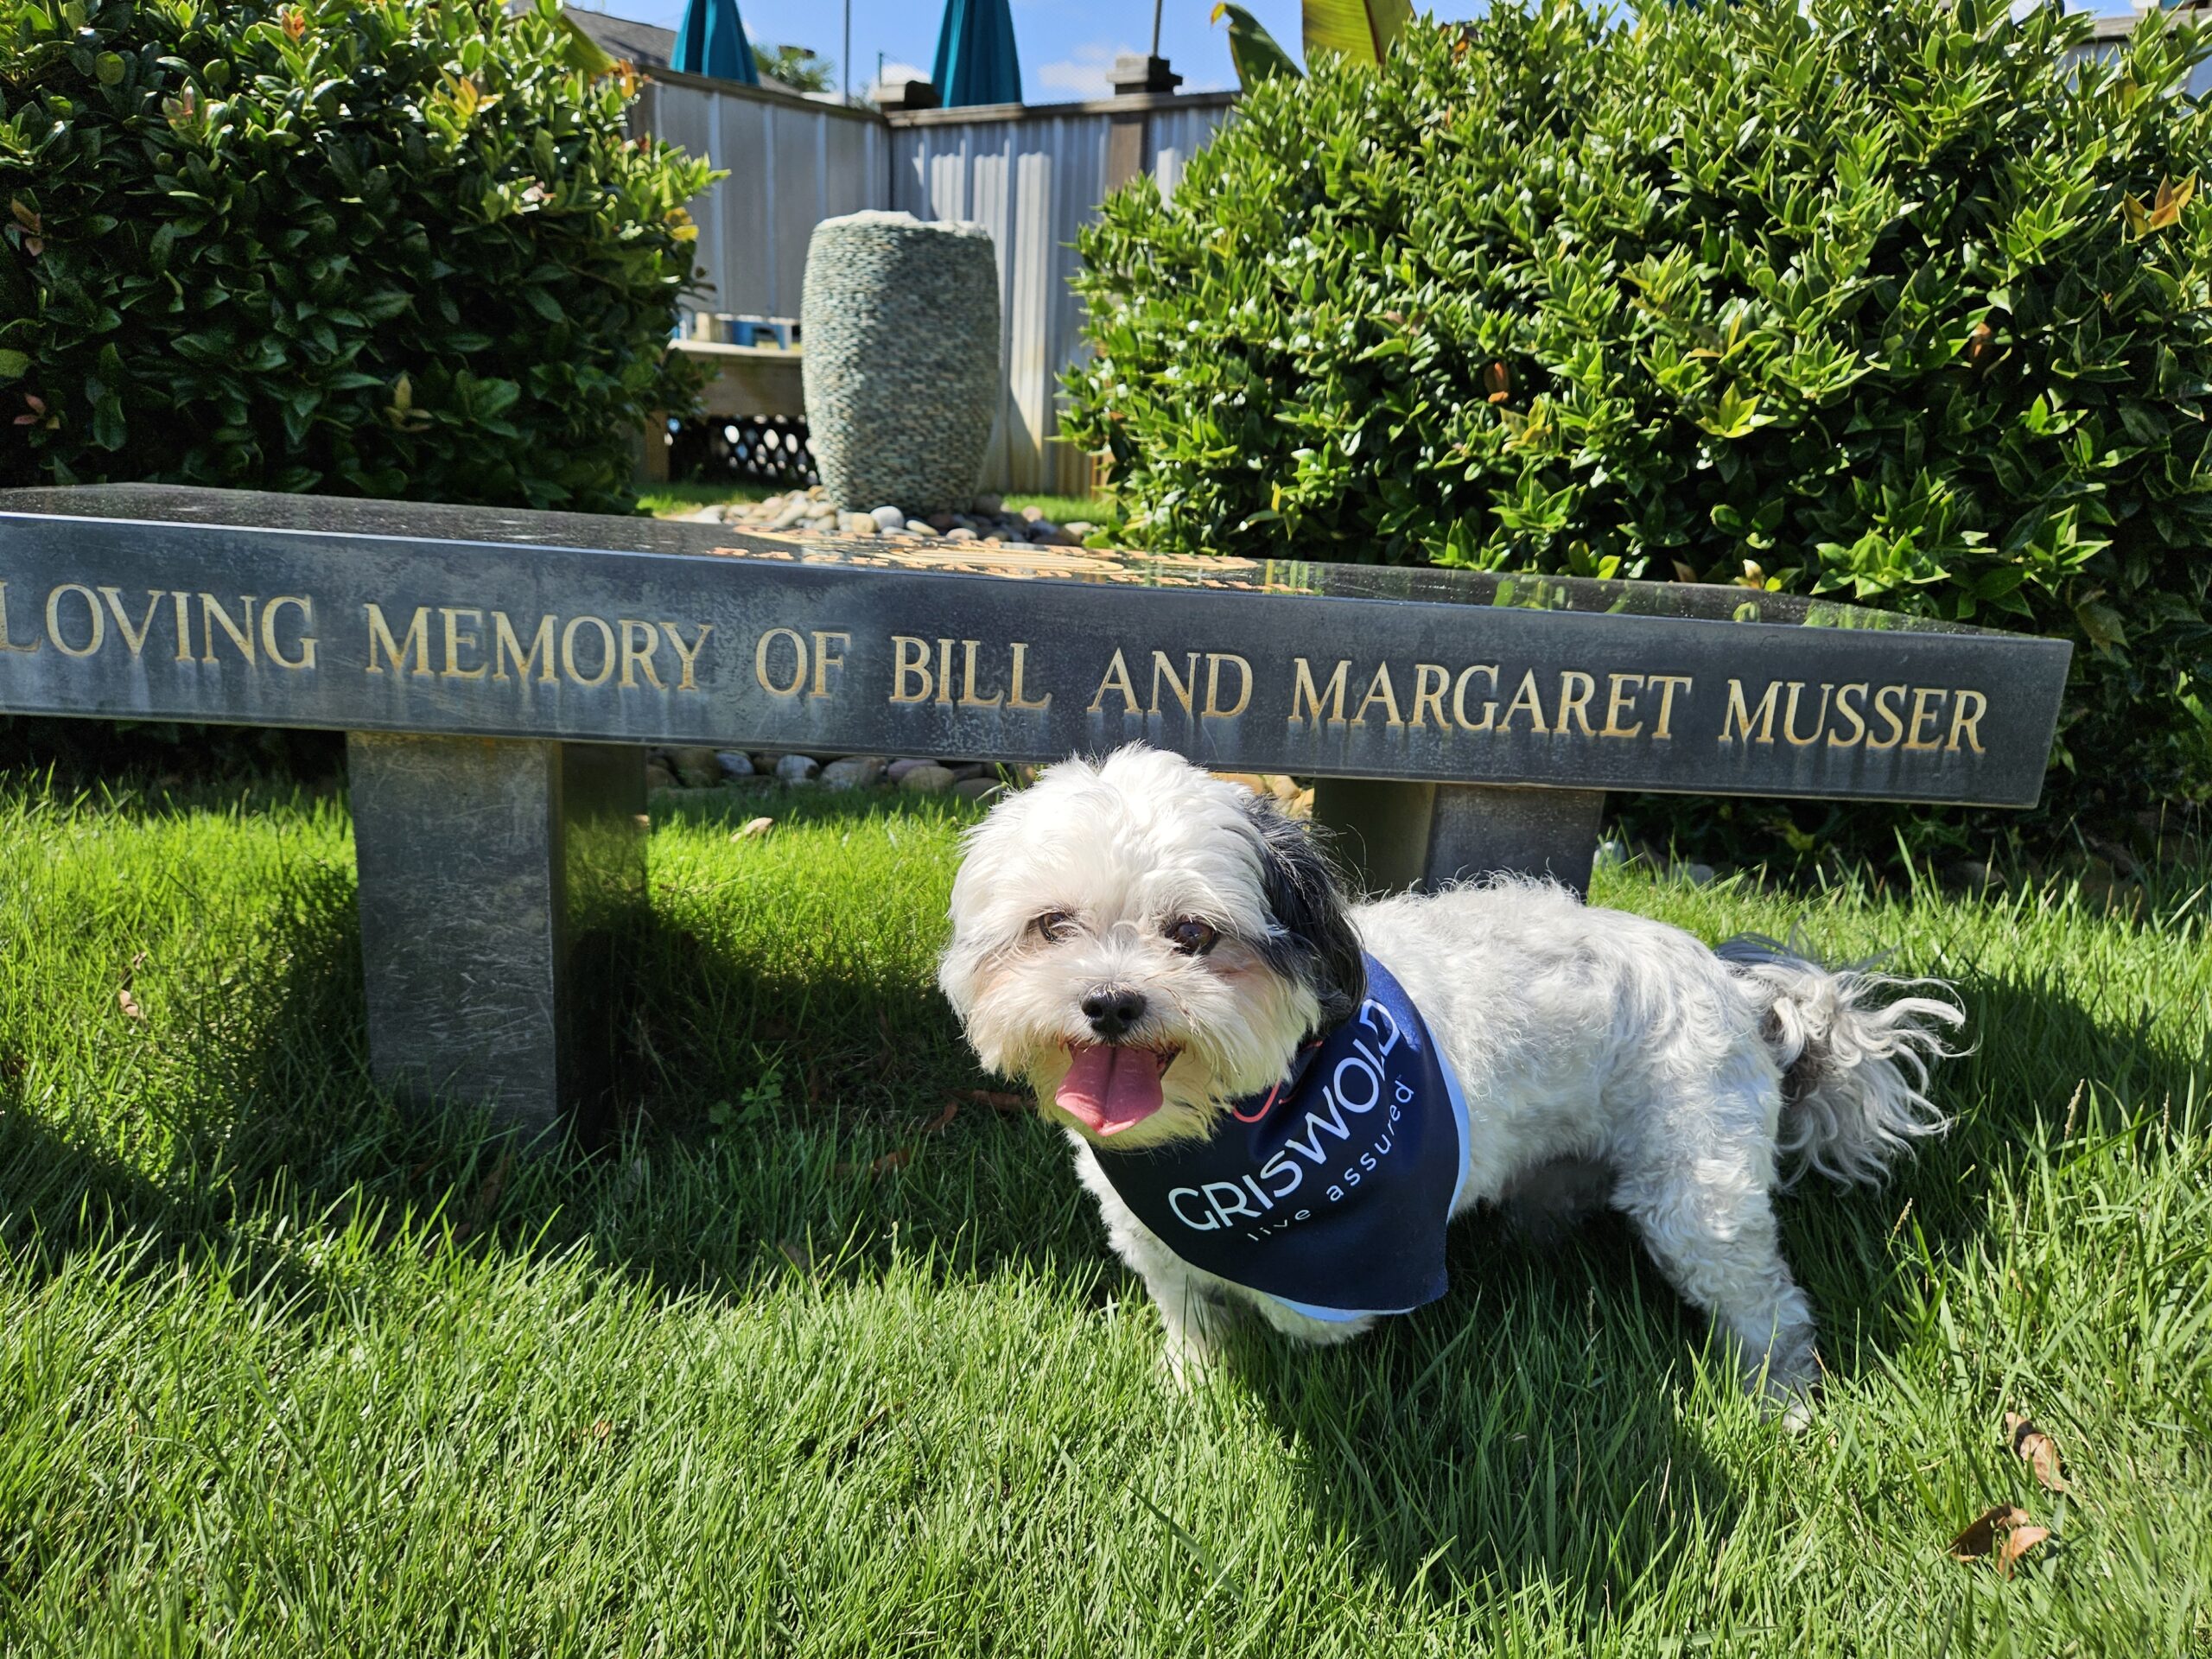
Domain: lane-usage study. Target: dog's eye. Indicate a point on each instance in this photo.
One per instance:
(1053, 925)
(1190, 935)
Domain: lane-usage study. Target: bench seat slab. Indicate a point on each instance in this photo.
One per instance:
(500, 881)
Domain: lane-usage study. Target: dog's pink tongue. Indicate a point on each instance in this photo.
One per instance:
(1111, 1089)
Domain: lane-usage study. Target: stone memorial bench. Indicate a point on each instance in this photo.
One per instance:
(498, 674)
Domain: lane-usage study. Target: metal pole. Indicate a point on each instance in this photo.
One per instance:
(845, 62)
(1156, 5)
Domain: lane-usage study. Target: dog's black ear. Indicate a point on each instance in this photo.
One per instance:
(1317, 943)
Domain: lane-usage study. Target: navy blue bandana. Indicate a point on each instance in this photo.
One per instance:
(1330, 1193)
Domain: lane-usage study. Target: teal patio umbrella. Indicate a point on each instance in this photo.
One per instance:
(976, 59)
(711, 42)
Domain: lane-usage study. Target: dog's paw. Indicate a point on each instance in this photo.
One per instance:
(1787, 1386)
(1185, 1360)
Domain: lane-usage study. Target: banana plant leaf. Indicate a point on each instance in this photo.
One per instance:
(1361, 30)
(1251, 48)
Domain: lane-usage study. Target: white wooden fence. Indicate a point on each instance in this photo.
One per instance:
(1032, 175)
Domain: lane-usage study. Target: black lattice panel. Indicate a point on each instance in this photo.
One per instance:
(757, 448)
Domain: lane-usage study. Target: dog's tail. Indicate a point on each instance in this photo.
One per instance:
(1854, 1071)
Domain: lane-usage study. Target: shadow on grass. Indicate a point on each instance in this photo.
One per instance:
(1523, 1437)
(768, 1125)
(1529, 1431)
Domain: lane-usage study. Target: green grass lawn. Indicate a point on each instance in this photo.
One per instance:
(285, 1370)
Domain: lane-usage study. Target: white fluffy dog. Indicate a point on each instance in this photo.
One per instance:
(1159, 952)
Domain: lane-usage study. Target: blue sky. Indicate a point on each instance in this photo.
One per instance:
(1066, 45)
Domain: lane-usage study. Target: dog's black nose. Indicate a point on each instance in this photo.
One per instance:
(1112, 1009)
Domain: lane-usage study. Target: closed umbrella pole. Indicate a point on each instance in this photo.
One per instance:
(711, 42)
(976, 62)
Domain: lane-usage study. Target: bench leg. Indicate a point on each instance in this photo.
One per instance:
(500, 881)
(1394, 837)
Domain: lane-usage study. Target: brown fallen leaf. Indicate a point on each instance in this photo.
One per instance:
(2037, 1450)
(753, 829)
(943, 1119)
(1978, 1536)
(128, 1004)
(601, 1429)
(2018, 1542)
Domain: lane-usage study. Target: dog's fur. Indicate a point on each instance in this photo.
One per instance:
(1605, 1057)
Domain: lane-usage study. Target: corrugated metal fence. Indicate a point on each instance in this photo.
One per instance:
(791, 164)
(1032, 175)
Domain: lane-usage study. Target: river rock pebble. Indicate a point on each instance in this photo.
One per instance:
(697, 768)
(810, 512)
(734, 763)
(798, 769)
(854, 772)
(927, 780)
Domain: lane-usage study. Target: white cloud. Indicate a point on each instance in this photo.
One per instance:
(1088, 73)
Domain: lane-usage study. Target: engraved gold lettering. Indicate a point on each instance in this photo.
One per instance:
(1428, 693)
(944, 671)
(1894, 718)
(211, 614)
(1789, 716)
(1668, 684)
(1117, 679)
(1527, 700)
(458, 640)
(53, 620)
(970, 697)
(608, 652)
(791, 687)
(1182, 687)
(182, 601)
(1736, 723)
(269, 646)
(1922, 714)
(1459, 697)
(1967, 720)
(640, 641)
(7, 639)
(823, 660)
(687, 656)
(916, 665)
(1305, 696)
(506, 648)
(1575, 690)
(1214, 660)
(1015, 699)
(1379, 690)
(417, 640)
(135, 642)
(1849, 710)
(1618, 704)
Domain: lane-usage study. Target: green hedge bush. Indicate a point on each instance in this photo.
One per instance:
(375, 247)
(1878, 299)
